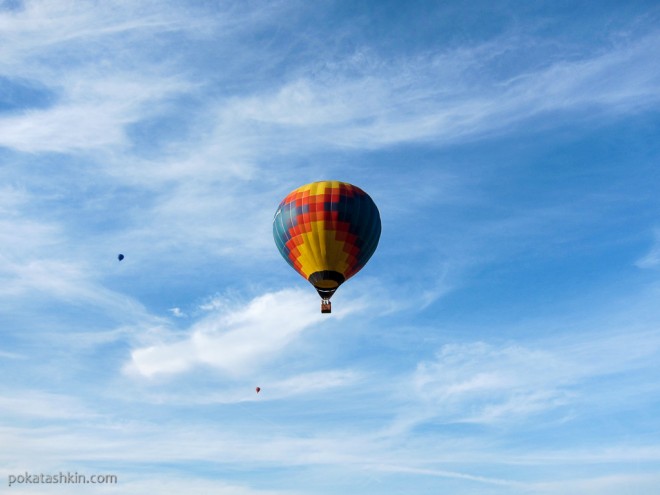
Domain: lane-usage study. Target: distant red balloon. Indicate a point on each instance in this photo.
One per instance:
(258, 389)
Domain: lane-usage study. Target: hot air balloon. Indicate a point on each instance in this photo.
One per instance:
(258, 389)
(120, 256)
(327, 231)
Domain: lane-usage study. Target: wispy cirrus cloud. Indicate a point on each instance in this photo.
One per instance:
(488, 384)
(90, 106)
(63, 28)
(94, 116)
(36, 265)
(363, 100)
(440, 98)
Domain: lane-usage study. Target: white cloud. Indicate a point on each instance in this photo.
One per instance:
(95, 118)
(177, 312)
(494, 383)
(235, 340)
(502, 384)
(40, 260)
(83, 56)
(66, 281)
(42, 25)
(363, 100)
(437, 97)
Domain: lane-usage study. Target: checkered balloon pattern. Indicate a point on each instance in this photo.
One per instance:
(327, 231)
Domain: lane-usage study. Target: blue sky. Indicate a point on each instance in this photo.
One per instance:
(503, 339)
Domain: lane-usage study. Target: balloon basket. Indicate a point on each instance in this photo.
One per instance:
(326, 307)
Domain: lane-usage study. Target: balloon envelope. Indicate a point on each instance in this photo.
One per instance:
(327, 231)
(120, 257)
(258, 389)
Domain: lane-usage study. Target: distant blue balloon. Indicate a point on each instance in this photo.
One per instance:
(120, 257)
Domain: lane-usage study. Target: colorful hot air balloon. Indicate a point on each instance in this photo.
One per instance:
(258, 389)
(327, 231)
